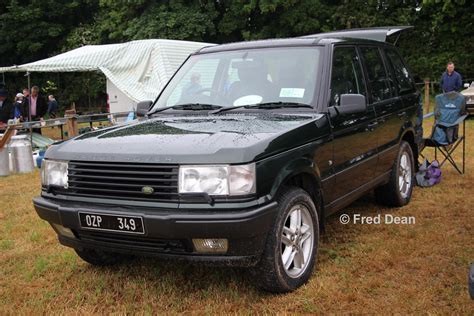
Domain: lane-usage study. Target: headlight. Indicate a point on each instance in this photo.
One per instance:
(54, 173)
(218, 180)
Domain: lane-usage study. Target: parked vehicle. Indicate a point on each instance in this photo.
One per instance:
(243, 155)
(469, 94)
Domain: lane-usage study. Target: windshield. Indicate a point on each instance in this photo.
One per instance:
(245, 77)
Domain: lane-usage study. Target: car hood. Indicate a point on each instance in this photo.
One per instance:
(468, 92)
(193, 139)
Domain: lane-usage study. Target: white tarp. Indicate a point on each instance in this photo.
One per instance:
(139, 68)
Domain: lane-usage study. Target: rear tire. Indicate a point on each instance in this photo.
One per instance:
(397, 192)
(101, 258)
(292, 244)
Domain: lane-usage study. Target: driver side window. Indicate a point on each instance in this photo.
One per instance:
(346, 75)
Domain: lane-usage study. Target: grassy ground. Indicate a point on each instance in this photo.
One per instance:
(419, 268)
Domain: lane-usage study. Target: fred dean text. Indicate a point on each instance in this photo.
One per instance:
(388, 219)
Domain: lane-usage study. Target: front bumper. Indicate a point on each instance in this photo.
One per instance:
(168, 234)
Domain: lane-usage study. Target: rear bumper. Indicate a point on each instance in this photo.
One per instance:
(168, 234)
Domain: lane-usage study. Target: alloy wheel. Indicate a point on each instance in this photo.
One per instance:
(297, 240)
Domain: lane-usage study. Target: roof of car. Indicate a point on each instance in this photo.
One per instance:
(374, 35)
(284, 42)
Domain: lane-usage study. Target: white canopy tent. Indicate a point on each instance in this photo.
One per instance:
(137, 70)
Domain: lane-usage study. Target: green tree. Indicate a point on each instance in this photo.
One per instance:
(36, 29)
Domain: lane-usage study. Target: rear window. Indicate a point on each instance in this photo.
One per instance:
(379, 82)
(403, 80)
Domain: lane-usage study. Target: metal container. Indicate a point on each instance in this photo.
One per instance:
(4, 162)
(22, 155)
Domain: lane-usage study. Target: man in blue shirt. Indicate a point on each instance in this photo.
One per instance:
(451, 80)
(52, 106)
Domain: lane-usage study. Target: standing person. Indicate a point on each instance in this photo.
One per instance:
(52, 106)
(451, 80)
(17, 110)
(5, 107)
(26, 93)
(26, 100)
(36, 107)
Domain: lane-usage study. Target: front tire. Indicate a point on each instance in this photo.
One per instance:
(397, 192)
(100, 258)
(292, 244)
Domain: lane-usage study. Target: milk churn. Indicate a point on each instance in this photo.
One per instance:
(22, 156)
(4, 162)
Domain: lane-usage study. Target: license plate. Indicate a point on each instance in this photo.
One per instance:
(115, 223)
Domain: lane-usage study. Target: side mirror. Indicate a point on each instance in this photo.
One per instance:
(143, 107)
(351, 103)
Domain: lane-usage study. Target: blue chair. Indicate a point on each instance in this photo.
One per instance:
(449, 114)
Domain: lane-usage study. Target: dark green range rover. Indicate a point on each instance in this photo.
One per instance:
(242, 156)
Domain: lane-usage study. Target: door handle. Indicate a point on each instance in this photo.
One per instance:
(402, 114)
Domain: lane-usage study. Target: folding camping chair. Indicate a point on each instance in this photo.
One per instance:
(449, 114)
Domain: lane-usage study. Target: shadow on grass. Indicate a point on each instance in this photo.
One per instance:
(172, 275)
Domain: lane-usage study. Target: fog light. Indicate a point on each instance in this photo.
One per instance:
(211, 245)
(63, 231)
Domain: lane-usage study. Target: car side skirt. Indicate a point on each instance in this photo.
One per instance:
(350, 197)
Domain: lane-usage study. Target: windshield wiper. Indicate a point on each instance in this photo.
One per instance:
(265, 105)
(188, 106)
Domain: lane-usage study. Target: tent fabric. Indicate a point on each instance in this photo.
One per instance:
(140, 68)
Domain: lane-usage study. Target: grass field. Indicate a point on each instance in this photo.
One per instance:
(418, 268)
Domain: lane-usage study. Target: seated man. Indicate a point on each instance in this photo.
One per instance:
(190, 91)
(252, 81)
(194, 85)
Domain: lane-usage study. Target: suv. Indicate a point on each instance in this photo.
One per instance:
(244, 153)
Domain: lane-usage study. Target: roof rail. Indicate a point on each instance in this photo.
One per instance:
(372, 33)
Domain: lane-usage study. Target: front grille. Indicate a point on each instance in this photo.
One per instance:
(123, 181)
(142, 243)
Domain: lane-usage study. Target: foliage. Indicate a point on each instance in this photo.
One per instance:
(36, 29)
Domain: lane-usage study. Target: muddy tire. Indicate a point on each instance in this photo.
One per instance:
(292, 244)
(397, 192)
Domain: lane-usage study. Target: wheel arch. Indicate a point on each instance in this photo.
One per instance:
(408, 135)
(302, 173)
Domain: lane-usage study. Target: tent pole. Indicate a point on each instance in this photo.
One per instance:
(29, 107)
(29, 96)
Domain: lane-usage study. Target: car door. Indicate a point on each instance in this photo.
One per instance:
(386, 103)
(354, 140)
(406, 89)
